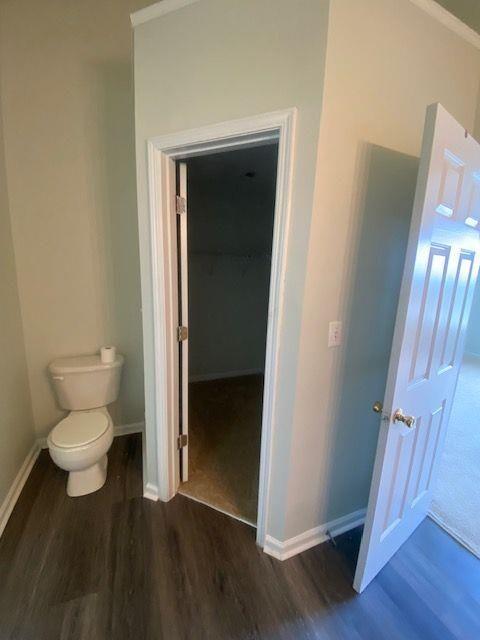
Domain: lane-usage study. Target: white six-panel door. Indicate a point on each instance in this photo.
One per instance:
(437, 288)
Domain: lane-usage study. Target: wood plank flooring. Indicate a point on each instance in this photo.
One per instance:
(113, 565)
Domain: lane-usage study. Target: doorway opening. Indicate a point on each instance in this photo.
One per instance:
(164, 426)
(225, 234)
(456, 499)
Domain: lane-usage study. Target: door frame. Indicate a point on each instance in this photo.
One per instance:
(162, 420)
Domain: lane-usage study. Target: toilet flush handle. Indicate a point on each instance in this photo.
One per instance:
(58, 378)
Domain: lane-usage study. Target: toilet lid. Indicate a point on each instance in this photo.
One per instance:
(79, 429)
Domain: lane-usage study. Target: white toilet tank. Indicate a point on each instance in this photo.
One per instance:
(85, 382)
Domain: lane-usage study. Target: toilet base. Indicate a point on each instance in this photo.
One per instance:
(80, 483)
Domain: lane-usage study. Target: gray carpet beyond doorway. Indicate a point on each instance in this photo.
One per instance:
(225, 423)
(456, 498)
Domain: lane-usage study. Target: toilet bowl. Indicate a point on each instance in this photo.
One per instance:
(79, 443)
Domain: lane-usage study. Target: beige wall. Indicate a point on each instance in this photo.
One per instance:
(386, 61)
(16, 420)
(67, 92)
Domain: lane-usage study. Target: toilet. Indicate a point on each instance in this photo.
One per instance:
(84, 385)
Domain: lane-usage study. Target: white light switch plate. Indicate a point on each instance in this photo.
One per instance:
(335, 333)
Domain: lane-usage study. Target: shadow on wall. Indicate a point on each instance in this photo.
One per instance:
(117, 231)
(384, 219)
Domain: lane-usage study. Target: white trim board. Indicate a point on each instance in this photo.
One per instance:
(450, 21)
(157, 227)
(312, 537)
(125, 429)
(18, 483)
(158, 9)
(150, 492)
(205, 377)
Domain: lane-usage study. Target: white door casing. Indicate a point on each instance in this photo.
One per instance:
(160, 318)
(438, 283)
(182, 211)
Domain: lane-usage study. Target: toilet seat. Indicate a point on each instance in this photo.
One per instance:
(79, 429)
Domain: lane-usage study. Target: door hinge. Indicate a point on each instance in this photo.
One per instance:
(182, 333)
(182, 440)
(181, 205)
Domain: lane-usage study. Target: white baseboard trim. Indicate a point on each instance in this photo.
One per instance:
(346, 523)
(150, 491)
(317, 535)
(11, 498)
(204, 377)
(125, 429)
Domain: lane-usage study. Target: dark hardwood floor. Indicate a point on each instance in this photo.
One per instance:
(113, 565)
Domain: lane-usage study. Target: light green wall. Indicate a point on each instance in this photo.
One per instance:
(236, 59)
(67, 92)
(229, 249)
(467, 10)
(16, 420)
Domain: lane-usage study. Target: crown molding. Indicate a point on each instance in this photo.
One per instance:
(450, 21)
(158, 9)
(431, 7)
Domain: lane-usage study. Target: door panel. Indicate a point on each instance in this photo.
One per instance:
(450, 184)
(437, 288)
(433, 289)
(456, 312)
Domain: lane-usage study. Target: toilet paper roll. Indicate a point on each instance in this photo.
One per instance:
(107, 354)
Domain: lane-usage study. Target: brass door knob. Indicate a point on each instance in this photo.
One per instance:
(378, 407)
(408, 421)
